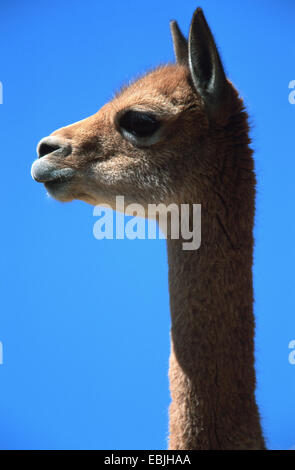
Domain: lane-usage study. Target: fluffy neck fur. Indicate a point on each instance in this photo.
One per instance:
(212, 377)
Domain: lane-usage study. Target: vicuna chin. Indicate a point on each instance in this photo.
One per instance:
(180, 135)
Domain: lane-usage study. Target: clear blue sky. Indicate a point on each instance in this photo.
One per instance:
(84, 323)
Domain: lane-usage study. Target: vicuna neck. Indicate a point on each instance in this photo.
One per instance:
(212, 377)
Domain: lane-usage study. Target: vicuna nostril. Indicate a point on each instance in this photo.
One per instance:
(45, 149)
(52, 144)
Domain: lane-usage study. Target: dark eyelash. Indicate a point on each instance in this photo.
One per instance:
(139, 124)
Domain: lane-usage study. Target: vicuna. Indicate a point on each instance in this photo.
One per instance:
(180, 135)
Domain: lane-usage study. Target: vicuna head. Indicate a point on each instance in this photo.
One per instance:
(155, 139)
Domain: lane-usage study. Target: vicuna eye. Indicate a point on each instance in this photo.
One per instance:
(139, 124)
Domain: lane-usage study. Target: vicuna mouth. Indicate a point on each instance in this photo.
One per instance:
(45, 172)
(52, 184)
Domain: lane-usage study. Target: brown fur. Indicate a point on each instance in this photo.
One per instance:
(197, 160)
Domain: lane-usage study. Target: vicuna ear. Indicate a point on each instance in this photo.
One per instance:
(180, 44)
(206, 67)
